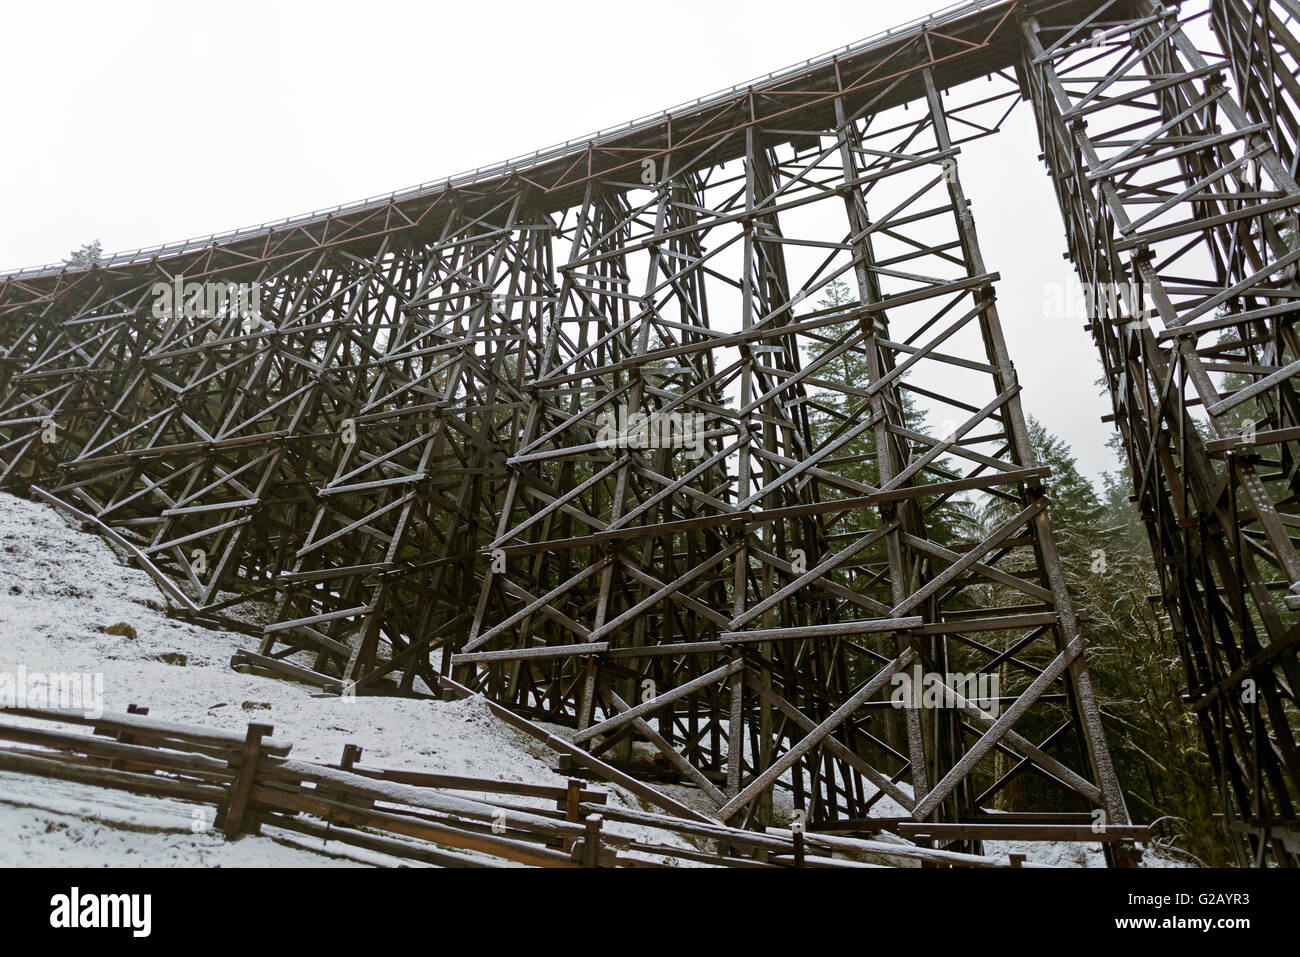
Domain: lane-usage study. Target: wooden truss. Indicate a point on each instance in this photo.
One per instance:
(697, 437)
(1168, 185)
(752, 593)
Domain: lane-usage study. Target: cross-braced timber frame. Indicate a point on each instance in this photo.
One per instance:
(1169, 186)
(703, 434)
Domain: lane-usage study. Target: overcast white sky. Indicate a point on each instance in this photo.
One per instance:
(139, 123)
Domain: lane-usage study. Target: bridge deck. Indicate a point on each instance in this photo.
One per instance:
(959, 43)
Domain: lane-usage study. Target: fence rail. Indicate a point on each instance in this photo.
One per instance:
(252, 782)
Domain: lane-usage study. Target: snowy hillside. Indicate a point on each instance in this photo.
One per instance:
(61, 589)
(63, 596)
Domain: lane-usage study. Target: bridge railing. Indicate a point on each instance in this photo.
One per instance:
(539, 157)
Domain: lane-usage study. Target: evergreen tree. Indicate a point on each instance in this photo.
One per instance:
(1133, 654)
(90, 254)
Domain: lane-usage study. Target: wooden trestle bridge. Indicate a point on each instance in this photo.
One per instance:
(424, 458)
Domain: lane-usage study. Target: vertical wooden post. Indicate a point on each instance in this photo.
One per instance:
(591, 847)
(572, 798)
(244, 777)
(351, 754)
(124, 737)
(798, 847)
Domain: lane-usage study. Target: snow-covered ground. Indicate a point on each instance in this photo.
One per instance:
(62, 591)
(61, 588)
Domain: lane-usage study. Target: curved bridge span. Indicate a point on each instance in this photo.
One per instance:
(701, 437)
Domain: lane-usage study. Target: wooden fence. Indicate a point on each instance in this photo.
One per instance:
(434, 818)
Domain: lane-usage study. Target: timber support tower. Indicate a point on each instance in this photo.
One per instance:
(421, 460)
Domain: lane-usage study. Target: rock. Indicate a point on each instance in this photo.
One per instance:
(121, 628)
(172, 658)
